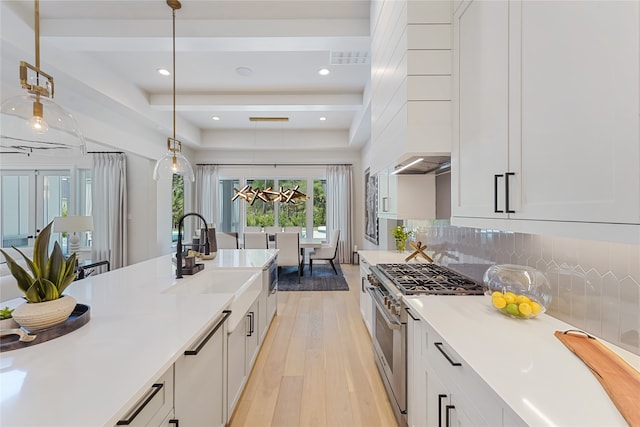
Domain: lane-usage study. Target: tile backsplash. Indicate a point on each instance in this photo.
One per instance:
(595, 285)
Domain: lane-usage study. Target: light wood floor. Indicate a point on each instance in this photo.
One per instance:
(316, 366)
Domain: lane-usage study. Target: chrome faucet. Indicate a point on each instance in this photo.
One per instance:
(179, 251)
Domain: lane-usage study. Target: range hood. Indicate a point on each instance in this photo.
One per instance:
(420, 165)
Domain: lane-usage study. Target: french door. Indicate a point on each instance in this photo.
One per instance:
(29, 200)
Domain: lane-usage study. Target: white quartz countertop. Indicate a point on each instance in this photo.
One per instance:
(388, 257)
(93, 375)
(522, 361)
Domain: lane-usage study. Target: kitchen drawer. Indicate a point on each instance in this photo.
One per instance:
(154, 406)
(440, 357)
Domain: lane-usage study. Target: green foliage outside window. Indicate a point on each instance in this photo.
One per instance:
(177, 201)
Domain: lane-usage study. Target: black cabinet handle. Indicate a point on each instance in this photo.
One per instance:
(495, 192)
(176, 422)
(506, 192)
(440, 397)
(362, 284)
(251, 316)
(226, 314)
(449, 408)
(439, 347)
(154, 390)
(411, 314)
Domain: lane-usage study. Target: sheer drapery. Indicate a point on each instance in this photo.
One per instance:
(109, 208)
(207, 191)
(340, 207)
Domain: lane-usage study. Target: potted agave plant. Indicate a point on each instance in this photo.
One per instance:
(43, 285)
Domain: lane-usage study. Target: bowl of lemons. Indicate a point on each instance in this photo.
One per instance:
(517, 291)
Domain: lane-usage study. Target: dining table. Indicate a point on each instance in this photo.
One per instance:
(310, 243)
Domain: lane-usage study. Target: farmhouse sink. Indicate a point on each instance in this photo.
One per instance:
(245, 285)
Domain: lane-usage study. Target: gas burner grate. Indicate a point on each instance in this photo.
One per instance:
(434, 279)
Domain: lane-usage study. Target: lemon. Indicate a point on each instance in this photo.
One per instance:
(525, 308)
(512, 308)
(535, 307)
(510, 297)
(499, 302)
(496, 294)
(523, 298)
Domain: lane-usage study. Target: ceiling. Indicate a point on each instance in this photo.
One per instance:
(280, 46)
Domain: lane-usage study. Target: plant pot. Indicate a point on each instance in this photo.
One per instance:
(8, 324)
(401, 245)
(36, 316)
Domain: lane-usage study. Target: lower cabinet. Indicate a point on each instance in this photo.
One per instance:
(200, 380)
(366, 307)
(154, 406)
(243, 345)
(442, 389)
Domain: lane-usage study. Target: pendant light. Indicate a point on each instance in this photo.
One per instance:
(174, 162)
(32, 123)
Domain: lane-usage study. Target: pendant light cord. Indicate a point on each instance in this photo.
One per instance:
(174, 73)
(36, 13)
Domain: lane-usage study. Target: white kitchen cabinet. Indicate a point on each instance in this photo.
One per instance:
(242, 349)
(200, 379)
(547, 120)
(406, 196)
(416, 374)
(154, 406)
(366, 307)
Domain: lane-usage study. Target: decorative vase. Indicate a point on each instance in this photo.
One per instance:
(401, 245)
(8, 324)
(36, 316)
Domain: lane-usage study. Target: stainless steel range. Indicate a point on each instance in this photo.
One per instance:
(388, 283)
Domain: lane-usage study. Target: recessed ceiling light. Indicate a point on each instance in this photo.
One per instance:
(244, 71)
(164, 72)
(324, 72)
(216, 118)
(322, 119)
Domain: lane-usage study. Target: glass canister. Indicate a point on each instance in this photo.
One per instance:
(517, 291)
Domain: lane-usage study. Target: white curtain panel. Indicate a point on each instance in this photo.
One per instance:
(207, 192)
(109, 208)
(340, 208)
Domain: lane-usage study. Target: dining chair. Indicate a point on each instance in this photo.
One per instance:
(256, 240)
(288, 245)
(227, 240)
(326, 252)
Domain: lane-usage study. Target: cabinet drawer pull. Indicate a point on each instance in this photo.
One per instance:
(411, 314)
(439, 347)
(225, 316)
(152, 393)
(176, 422)
(385, 204)
(449, 408)
(495, 193)
(251, 316)
(506, 192)
(440, 397)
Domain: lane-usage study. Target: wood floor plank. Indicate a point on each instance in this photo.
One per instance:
(316, 366)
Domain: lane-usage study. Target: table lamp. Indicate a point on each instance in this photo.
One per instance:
(72, 225)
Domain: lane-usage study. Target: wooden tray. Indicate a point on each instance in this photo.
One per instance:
(619, 379)
(79, 317)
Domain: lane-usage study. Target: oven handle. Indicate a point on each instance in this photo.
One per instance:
(390, 323)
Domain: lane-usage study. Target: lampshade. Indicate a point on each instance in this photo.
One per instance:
(63, 224)
(54, 132)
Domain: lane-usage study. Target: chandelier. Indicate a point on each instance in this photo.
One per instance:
(250, 195)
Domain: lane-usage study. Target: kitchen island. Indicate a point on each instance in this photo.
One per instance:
(94, 375)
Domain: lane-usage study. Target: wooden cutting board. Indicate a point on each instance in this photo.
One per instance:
(619, 379)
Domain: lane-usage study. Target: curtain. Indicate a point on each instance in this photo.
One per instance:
(109, 208)
(340, 208)
(207, 192)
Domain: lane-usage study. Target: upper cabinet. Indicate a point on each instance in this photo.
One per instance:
(410, 80)
(546, 134)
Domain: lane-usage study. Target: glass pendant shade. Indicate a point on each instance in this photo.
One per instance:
(34, 124)
(173, 164)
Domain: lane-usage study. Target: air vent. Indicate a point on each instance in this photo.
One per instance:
(268, 119)
(348, 58)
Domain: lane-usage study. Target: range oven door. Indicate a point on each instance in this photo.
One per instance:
(389, 345)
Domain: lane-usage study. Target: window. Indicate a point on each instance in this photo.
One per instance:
(319, 209)
(260, 213)
(177, 204)
(229, 210)
(293, 214)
